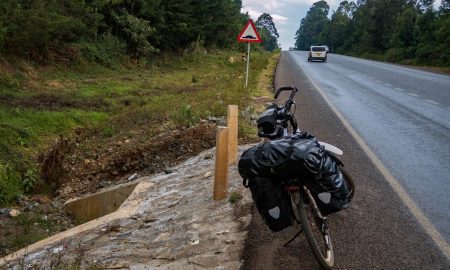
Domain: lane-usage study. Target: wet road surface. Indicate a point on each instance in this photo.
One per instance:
(378, 231)
(403, 115)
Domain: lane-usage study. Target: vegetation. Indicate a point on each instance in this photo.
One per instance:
(104, 67)
(139, 102)
(48, 30)
(407, 31)
(268, 32)
(109, 103)
(235, 196)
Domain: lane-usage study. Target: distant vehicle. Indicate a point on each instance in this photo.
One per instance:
(317, 53)
(326, 48)
(291, 49)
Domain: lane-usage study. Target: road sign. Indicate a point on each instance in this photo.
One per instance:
(249, 33)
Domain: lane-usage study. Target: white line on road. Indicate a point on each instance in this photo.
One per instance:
(412, 94)
(388, 84)
(432, 102)
(378, 81)
(396, 186)
(399, 89)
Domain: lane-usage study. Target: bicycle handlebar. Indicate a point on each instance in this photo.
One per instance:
(286, 88)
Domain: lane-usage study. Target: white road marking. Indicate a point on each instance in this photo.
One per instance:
(412, 94)
(378, 81)
(394, 183)
(399, 89)
(388, 84)
(432, 102)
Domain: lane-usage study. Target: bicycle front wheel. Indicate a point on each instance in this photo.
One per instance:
(316, 229)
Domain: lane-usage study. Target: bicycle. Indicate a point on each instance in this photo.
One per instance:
(279, 121)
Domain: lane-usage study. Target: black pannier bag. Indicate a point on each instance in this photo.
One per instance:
(272, 202)
(299, 156)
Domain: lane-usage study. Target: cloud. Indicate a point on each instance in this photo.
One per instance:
(278, 19)
(253, 13)
(310, 2)
(262, 6)
(286, 14)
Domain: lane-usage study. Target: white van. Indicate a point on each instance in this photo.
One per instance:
(317, 53)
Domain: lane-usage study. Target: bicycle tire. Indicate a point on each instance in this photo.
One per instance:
(320, 246)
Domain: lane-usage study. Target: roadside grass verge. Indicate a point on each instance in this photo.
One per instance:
(38, 105)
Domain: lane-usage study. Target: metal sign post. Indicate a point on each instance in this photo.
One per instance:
(248, 64)
(248, 34)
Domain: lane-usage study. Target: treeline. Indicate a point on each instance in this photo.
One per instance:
(394, 30)
(104, 30)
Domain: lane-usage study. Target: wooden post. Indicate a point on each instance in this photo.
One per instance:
(221, 173)
(232, 123)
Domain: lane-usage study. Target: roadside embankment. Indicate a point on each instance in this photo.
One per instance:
(170, 221)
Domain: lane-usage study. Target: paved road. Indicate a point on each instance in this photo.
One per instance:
(379, 231)
(404, 116)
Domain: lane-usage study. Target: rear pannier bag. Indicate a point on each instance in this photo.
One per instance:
(299, 156)
(272, 202)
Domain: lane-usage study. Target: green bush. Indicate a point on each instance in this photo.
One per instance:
(234, 197)
(107, 50)
(10, 184)
(184, 117)
(137, 32)
(424, 52)
(29, 179)
(395, 54)
(37, 29)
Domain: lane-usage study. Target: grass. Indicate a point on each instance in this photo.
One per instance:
(234, 197)
(110, 105)
(263, 88)
(33, 226)
(41, 104)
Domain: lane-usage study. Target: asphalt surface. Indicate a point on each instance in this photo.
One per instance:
(403, 115)
(377, 232)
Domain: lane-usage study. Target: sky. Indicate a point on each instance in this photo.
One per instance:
(286, 15)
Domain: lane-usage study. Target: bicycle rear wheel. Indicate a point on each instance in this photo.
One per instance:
(316, 229)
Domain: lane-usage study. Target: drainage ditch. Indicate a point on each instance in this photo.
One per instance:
(99, 204)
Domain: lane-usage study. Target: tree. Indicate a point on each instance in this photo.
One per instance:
(268, 32)
(393, 29)
(312, 25)
(402, 44)
(266, 21)
(37, 27)
(442, 34)
(341, 26)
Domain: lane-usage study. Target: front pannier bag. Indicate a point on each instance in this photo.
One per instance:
(299, 156)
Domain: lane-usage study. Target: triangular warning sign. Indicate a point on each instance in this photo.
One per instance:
(249, 33)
